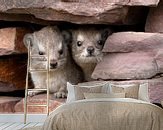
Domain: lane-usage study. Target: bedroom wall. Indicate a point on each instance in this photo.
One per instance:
(125, 63)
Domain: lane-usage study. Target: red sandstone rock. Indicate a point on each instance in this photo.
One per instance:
(143, 2)
(11, 40)
(136, 55)
(120, 2)
(126, 66)
(12, 72)
(153, 82)
(78, 11)
(133, 41)
(7, 104)
(159, 59)
(39, 99)
(155, 19)
(25, 18)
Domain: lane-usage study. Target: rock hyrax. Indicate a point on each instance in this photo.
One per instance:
(86, 46)
(63, 68)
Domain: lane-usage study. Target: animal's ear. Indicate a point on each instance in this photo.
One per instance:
(105, 33)
(28, 40)
(67, 36)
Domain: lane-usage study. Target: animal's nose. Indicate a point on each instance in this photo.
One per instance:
(90, 49)
(53, 63)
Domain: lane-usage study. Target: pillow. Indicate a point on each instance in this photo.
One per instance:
(104, 95)
(94, 88)
(130, 90)
(71, 93)
(151, 93)
(76, 92)
(105, 89)
(162, 102)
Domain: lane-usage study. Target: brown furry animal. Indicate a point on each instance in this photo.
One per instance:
(86, 47)
(63, 68)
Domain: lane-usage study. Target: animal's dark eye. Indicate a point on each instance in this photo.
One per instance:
(79, 43)
(41, 53)
(60, 52)
(100, 42)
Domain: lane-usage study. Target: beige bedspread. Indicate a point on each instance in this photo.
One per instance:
(106, 114)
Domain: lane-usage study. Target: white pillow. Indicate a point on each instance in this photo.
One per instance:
(131, 90)
(71, 93)
(162, 102)
(73, 89)
(104, 95)
(152, 93)
(143, 92)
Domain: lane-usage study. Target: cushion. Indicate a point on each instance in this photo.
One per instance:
(151, 93)
(104, 95)
(130, 90)
(71, 93)
(162, 102)
(76, 92)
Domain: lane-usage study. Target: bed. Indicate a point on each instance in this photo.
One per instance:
(102, 106)
(106, 114)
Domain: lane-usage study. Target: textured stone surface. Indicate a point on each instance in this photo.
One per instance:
(126, 66)
(143, 2)
(131, 55)
(126, 82)
(12, 72)
(39, 99)
(25, 18)
(6, 87)
(159, 59)
(7, 104)
(85, 12)
(12, 40)
(133, 41)
(152, 82)
(120, 2)
(155, 19)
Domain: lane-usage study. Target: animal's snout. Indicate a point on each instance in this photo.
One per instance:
(53, 64)
(90, 49)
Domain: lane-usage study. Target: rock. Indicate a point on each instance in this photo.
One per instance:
(12, 40)
(81, 12)
(7, 87)
(124, 66)
(154, 21)
(7, 104)
(159, 59)
(130, 58)
(13, 72)
(133, 41)
(142, 2)
(25, 18)
(121, 2)
(39, 99)
(152, 82)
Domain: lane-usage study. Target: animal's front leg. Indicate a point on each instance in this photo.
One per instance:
(62, 93)
(33, 93)
(37, 85)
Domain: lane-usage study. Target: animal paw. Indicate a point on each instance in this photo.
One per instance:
(60, 95)
(33, 93)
